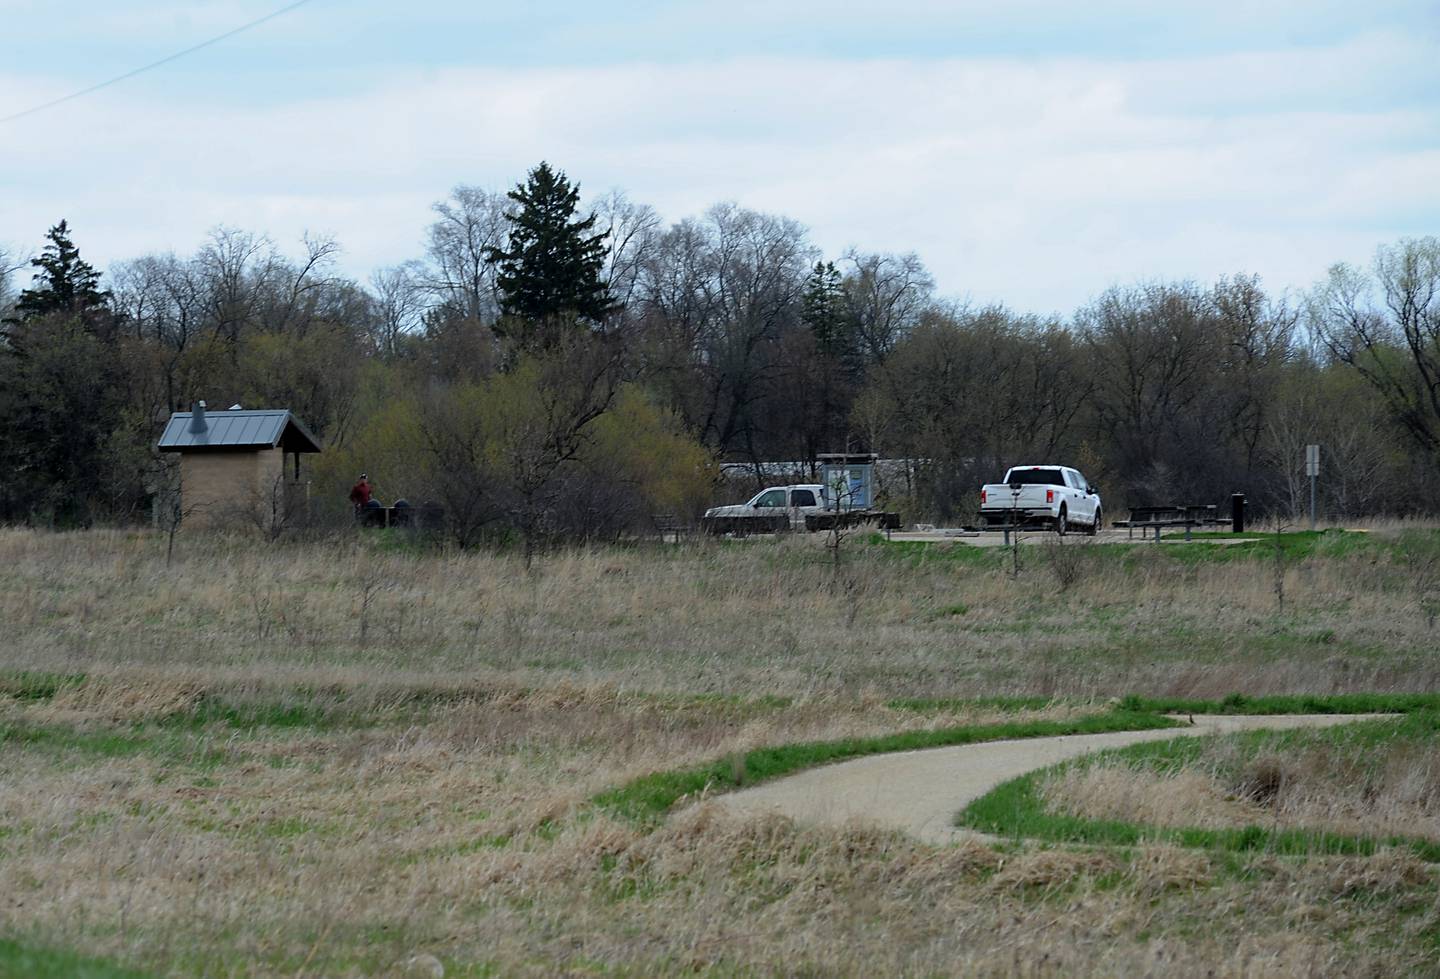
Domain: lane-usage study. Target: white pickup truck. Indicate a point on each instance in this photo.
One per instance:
(802, 506)
(1049, 496)
(777, 503)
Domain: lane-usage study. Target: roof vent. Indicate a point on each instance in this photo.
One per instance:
(197, 418)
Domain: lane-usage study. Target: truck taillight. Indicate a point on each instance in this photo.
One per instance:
(1049, 496)
(982, 497)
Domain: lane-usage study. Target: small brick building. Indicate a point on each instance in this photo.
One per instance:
(239, 466)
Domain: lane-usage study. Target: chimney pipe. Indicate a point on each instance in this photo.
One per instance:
(197, 419)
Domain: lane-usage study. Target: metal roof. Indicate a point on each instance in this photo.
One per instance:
(238, 430)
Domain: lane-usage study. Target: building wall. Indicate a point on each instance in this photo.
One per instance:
(231, 487)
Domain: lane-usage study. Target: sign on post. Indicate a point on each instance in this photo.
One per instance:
(1312, 469)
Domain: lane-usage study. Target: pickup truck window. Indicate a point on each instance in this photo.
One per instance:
(772, 498)
(1037, 477)
(802, 497)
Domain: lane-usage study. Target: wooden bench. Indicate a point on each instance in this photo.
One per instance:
(1157, 518)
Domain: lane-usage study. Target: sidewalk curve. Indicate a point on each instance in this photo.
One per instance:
(921, 791)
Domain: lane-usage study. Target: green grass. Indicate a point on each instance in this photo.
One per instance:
(59, 740)
(1016, 810)
(1258, 545)
(648, 798)
(1235, 703)
(329, 708)
(106, 744)
(211, 709)
(930, 705)
(35, 685)
(24, 962)
(925, 552)
(1344, 703)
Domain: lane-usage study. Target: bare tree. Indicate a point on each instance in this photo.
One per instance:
(575, 384)
(1257, 335)
(632, 234)
(1288, 430)
(1344, 421)
(1153, 361)
(719, 295)
(167, 303)
(398, 305)
(467, 227)
(886, 295)
(302, 293)
(238, 268)
(1386, 325)
(9, 265)
(498, 450)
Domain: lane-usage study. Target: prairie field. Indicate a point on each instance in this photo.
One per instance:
(357, 756)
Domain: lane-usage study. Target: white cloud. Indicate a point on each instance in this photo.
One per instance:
(1038, 183)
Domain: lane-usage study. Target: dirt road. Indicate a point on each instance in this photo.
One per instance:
(921, 791)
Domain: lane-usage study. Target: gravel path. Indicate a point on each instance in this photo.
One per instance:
(921, 791)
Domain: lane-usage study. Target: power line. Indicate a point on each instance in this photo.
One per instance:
(154, 64)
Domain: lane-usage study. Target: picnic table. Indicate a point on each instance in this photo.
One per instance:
(424, 516)
(1189, 516)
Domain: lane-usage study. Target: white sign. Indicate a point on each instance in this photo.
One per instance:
(1312, 460)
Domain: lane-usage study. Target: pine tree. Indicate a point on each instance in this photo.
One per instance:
(823, 308)
(551, 265)
(66, 283)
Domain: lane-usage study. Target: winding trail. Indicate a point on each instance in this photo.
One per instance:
(921, 791)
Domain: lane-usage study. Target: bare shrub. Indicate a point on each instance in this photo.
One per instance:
(1069, 562)
(1262, 780)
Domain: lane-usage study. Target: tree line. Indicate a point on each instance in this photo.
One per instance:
(554, 370)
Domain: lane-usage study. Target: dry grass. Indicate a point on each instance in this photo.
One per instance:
(1330, 781)
(358, 850)
(756, 618)
(453, 714)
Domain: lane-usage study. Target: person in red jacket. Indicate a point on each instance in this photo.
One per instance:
(360, 492)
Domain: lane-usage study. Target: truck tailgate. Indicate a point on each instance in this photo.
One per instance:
(999, 496)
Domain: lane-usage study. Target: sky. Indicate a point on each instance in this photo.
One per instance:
(1033, 153)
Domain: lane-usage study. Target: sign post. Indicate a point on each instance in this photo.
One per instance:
(1312, 469)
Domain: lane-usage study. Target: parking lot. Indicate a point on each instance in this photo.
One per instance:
(1039, 536)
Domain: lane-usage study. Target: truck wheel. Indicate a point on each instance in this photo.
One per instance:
(1060, 522)
(1094, 527)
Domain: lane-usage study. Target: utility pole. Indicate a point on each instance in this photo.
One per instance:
(1312, 469)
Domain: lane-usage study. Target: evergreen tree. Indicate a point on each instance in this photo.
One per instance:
(823, 309)
(65, 283)
(551, 264)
